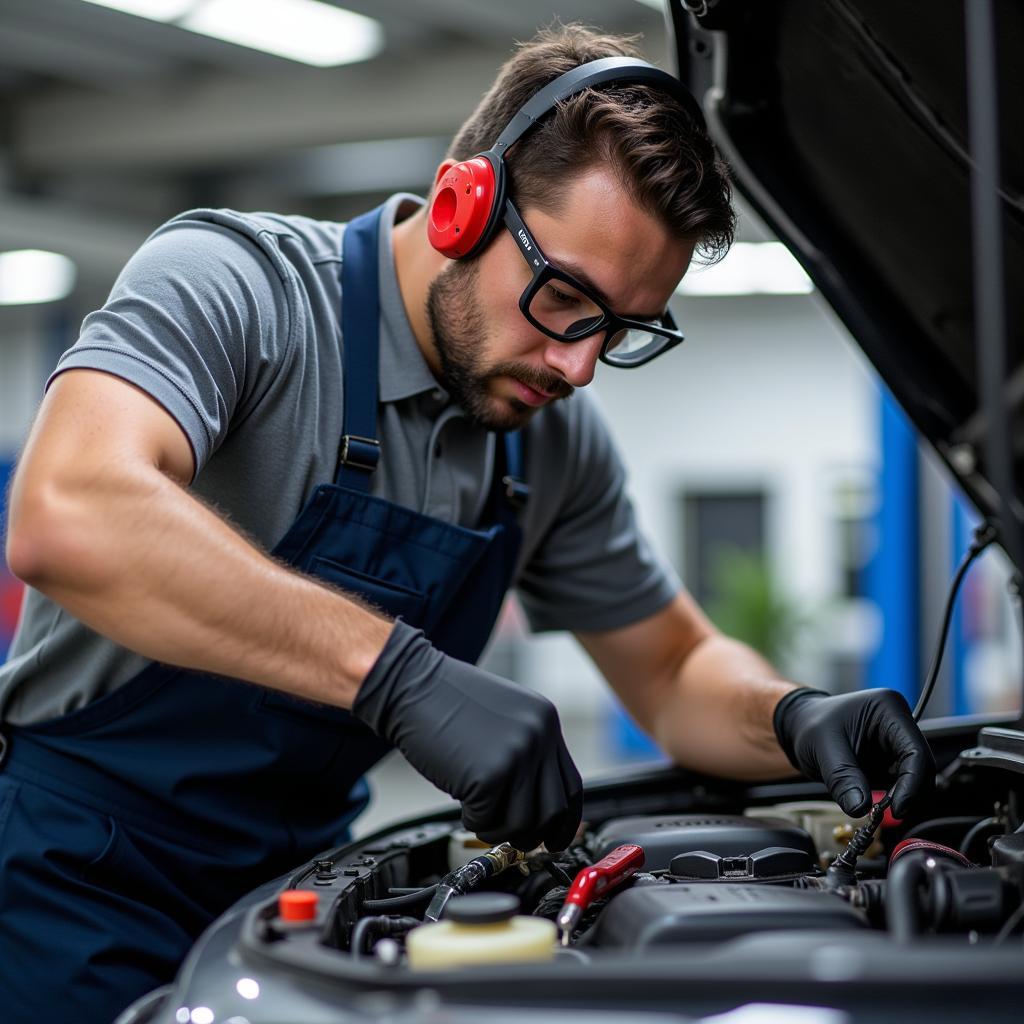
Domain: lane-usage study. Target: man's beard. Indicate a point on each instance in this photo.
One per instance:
(460, 334)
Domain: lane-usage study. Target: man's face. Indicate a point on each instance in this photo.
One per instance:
(495, 364)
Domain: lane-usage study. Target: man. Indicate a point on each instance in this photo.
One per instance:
(188, 528)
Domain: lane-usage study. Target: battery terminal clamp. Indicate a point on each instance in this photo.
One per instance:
(593, 882)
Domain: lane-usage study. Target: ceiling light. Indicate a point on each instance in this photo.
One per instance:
(307, 31)
(156, 10)
(34, 275)
(751, 268)
(302, 30)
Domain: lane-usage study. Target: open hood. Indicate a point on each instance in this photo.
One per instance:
(845, 123)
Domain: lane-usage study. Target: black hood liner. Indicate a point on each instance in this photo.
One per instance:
(845, 124)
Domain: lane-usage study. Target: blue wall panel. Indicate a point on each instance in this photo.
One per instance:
(892, 577)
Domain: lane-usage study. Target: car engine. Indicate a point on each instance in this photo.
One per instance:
(699, 878)
(680, 897)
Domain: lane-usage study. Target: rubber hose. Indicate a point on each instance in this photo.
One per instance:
(406, 902)
(902, 897)
(940, 824)
(973, 834)
(364, 926)
(379, 926)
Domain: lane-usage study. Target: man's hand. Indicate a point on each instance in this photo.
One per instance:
(495, 747)
(854, 741)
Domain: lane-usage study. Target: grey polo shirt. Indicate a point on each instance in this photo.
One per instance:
(232, 323)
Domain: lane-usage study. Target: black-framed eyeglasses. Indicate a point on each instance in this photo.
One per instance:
(565, 309)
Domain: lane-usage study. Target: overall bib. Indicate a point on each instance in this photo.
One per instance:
(128, 825)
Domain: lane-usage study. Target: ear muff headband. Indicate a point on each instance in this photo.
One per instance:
(469, 198)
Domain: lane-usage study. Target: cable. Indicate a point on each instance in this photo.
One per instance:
(405, 902)
(984, 535)
(976, 830)
(960, 822)
(1007, 930)
(842, 871)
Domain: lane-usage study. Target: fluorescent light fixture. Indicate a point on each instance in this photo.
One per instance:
(155, 10)
(307, 31)
(302, 30)
(751, 268)
(34, 275)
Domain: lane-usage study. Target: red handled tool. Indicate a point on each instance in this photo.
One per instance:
(594, 881)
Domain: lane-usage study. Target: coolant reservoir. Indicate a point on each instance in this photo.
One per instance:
(481, 928)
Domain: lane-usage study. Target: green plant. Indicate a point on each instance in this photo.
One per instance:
(748, 604)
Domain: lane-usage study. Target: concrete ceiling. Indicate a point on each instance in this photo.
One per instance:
(111, 123)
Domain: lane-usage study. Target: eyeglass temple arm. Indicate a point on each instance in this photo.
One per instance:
(527, 246)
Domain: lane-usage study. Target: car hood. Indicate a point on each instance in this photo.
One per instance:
(845, 123)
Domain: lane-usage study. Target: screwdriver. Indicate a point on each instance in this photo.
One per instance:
(606, 874)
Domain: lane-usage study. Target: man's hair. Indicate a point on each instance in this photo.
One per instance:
(665, 162)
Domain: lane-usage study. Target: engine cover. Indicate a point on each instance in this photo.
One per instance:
(775, 865)
(663, 915)
(725, 835)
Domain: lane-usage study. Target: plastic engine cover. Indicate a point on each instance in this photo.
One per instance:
(726, 835)
(670, 914)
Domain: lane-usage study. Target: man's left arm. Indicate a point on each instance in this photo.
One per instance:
(716, 706)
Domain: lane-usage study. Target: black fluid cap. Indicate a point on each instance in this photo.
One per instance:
(482, 908)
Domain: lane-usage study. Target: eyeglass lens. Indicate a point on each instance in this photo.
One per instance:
(631, 345)
(569, 313)
(564, 310)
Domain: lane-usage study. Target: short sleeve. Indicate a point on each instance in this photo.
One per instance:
(195, 319)
(593, 568)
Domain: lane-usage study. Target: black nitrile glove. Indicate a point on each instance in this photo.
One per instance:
(853, 741)
(497, 748)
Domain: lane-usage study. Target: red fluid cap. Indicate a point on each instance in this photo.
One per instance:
(296, 905)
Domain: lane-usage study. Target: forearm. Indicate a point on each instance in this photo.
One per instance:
(137, 558)
(715, 715)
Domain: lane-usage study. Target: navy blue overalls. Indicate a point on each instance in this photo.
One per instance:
(128, 825)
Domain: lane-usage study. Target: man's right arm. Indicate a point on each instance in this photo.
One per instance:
(101, 523)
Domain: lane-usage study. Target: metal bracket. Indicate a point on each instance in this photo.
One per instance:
(359, 452)
(517, 492)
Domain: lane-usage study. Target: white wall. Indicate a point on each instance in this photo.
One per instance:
(766, 391)
(23, 371)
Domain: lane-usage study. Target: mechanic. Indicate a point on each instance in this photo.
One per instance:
(229, 621)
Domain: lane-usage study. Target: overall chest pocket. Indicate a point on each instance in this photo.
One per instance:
(391, 598)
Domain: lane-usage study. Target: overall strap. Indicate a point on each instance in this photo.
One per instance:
(514, 489)
(359, 451)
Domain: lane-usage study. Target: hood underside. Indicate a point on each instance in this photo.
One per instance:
(845, 123)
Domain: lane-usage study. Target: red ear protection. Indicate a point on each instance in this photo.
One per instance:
(469, 197)
(464, 197)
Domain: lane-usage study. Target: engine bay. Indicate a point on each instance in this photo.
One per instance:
(729, 898)
(706, 878)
